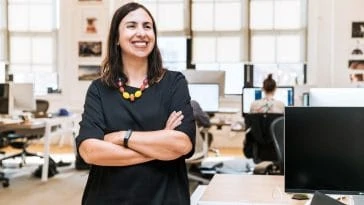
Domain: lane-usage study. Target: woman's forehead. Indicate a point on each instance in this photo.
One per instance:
(138, 15)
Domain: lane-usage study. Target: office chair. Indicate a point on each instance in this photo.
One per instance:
(258, 143)
(41, 108)
(20, 141)
(201, 150)
(3, 143)
(277, 131)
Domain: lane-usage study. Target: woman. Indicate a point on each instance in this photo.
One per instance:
(137, 127)
(268, 104)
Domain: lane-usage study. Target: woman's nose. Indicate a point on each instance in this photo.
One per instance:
(141, 32)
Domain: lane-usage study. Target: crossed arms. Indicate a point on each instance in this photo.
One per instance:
(166, 144)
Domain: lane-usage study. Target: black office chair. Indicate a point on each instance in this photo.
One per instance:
(20, 141)
(3, 143)
(277, 130)
(258, 144)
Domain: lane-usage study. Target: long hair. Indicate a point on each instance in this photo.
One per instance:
(269, 84)
(112, 66)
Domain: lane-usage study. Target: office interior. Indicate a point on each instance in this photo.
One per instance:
(309, 45)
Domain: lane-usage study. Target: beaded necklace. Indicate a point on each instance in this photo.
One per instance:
(131, 96)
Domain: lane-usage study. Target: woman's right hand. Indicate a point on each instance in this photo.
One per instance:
(174, 120)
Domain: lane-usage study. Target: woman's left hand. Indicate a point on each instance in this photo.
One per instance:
(174, 120)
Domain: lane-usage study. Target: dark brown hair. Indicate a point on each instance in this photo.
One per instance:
(112, 66)
(269, 84)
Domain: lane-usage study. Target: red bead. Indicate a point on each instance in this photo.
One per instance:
(145, 81)
(132, 97)
(121, 89)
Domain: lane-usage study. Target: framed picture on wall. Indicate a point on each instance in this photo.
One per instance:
(89, 48)
(356, 64)
(88, 72)
(357, 30)
(92, 22)
(356, 77)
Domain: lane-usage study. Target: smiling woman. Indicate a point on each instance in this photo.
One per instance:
(137, 128)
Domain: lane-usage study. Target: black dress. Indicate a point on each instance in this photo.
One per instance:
(155, 182)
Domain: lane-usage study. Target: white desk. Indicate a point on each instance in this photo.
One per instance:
(66, 125)
(229, 189)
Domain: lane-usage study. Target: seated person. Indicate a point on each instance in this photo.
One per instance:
(268, 104)
(202, 118)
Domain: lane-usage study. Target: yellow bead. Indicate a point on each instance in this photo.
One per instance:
(138, 93)
(126, 95)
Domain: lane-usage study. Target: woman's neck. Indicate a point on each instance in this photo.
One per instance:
(269, 95)
(136, 71)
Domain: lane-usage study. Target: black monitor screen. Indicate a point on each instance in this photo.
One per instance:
(4, 99)
(324, 149)
(284, 94)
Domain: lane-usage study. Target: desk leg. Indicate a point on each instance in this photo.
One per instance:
(47, 140)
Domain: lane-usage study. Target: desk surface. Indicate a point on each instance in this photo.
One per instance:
(246, 190)
(20, 124)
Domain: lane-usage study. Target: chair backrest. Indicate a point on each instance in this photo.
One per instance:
(258, 143)
(277, 130)
(41, 108)
(201, 149)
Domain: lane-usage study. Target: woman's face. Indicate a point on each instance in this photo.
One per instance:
(136, 35)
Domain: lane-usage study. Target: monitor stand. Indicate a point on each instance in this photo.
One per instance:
(345, 199)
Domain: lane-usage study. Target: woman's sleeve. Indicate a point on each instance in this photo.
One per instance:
(92, 124)
(181, 101)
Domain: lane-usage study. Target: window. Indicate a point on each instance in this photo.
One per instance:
(270, 34)
(278, 39)
(219, 40)
(32, 27)
(171, 25)
(174, 57)
(3, 31)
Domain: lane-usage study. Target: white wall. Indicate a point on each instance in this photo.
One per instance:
(73, 90)
(329, 40)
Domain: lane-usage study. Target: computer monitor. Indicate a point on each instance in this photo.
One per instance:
(305, 99)
(339, 97)
(207, 76)
(207, 95)
(324, 150)
(284, 94)
(23, 95)
(5, 99)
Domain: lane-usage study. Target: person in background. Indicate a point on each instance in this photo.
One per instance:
(137, 127)
(202, 119)
(268, 104)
